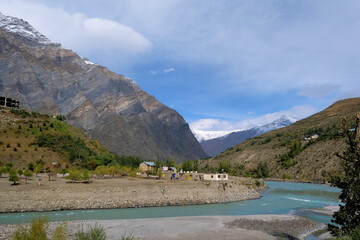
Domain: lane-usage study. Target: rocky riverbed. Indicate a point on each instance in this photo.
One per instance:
(256, 227)
(57, 194)
(284, 227)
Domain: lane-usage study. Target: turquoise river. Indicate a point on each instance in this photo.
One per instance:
(281, 198)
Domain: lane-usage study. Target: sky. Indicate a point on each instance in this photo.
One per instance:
(223, 65)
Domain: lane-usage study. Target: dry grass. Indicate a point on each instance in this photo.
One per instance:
(314, 163)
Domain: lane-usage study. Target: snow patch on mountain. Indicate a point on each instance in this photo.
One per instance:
(283, 121)
(203, 135)
(22, 28)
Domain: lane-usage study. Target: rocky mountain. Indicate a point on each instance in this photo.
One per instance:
(215, 146)
(305, 150)
(107, 106)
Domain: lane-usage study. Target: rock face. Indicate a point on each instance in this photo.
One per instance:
(215, 146)
(109, 107)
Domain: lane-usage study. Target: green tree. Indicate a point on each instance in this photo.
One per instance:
(63, 171)
(347, 219)
(27, 173)
(30, 166)
(262, 170)
(187, 165)
(224, 166)
(159, 173)
(8, 166)
(85, 175)
(159, 164)
(74, 175)
(13, 177)
(38, 169)
(170, 162)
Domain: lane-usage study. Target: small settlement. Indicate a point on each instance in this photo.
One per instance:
(8, 102)
(172, 174)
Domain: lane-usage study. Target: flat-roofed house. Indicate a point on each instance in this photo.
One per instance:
(216, 176)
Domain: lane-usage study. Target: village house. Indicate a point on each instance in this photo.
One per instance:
(215, 176)
(144, 166)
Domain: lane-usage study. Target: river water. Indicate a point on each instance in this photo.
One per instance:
(281, 198)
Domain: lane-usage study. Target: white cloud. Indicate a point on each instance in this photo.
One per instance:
(270, 46)
(223, 125)
(167, 70)
(77, 31)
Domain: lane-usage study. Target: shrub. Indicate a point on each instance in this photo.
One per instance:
(60, 117)
(85, 176)
(96, 232)
(224, 166)
(63, 171)
(27, 173)
(262, 170)
(37, 231)
(60, 233)
(74, 175)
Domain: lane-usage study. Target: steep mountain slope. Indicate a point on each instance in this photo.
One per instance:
(290, 152)
(106, 106)
(215, 146)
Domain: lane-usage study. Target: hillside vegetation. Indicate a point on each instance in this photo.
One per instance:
(27, 137)
(290, 152)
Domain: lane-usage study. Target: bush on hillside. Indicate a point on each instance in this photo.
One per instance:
(60, 117)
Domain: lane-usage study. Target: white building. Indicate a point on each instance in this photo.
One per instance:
(216, 176)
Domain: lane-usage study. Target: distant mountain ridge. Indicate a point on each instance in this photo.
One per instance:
(305, 150)
(215, 146)
(107, 106)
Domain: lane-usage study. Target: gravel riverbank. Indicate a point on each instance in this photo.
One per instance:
(58, 195)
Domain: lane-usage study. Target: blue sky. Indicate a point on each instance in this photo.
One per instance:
(222, 65)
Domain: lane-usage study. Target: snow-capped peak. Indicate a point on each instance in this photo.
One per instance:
(203, 135)
(22, 28)
(283, 121)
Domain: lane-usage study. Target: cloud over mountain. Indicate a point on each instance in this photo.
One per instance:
(77, 31)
